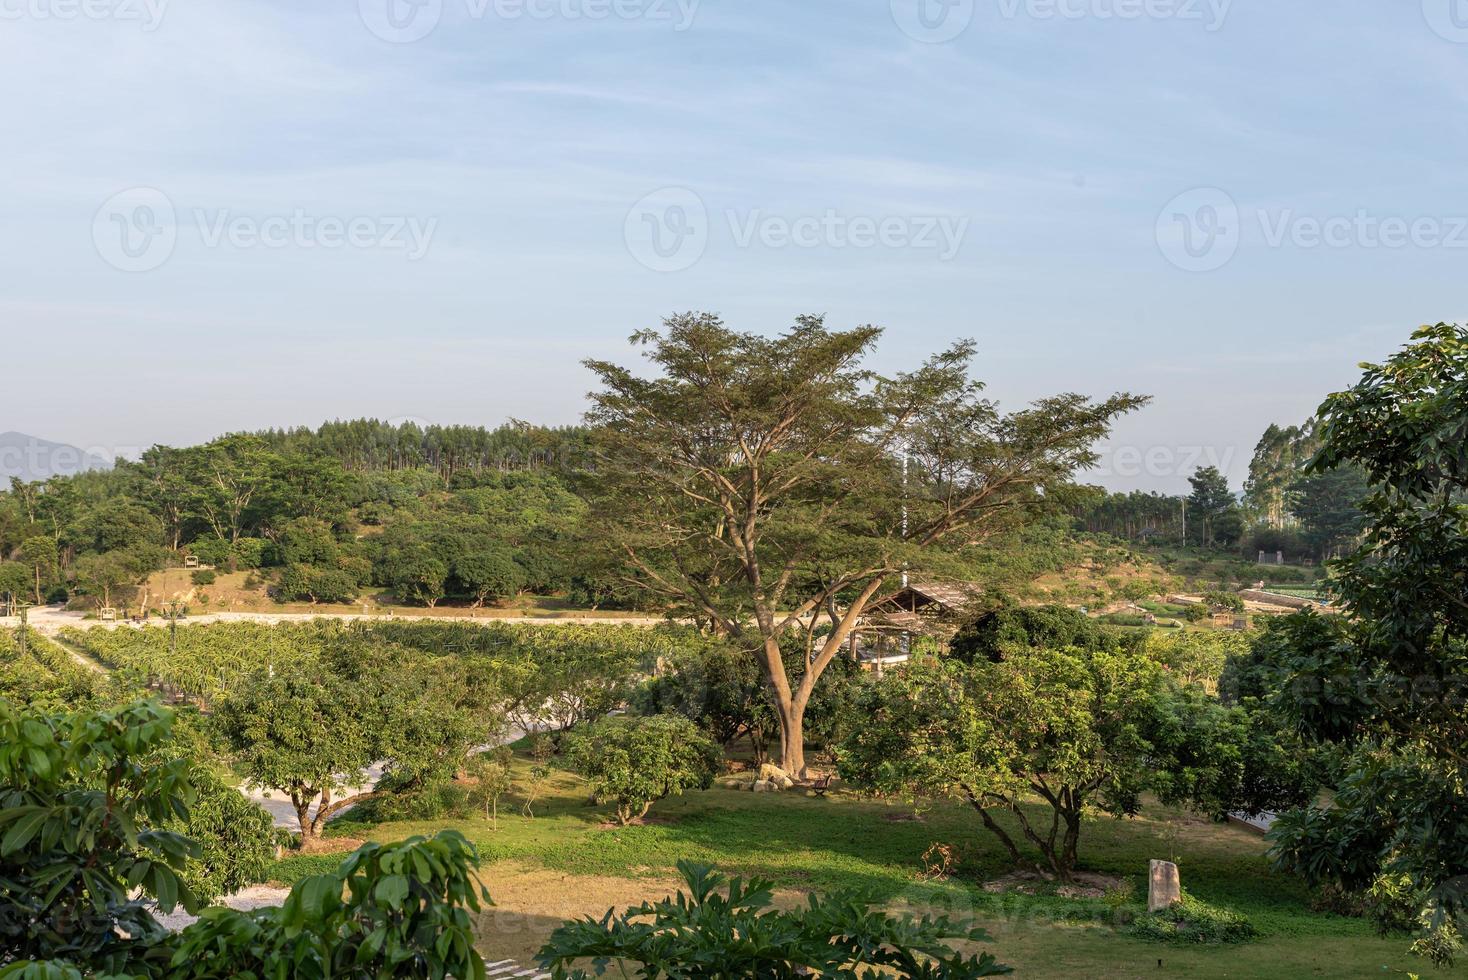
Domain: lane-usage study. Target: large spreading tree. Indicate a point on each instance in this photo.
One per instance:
(773, 488)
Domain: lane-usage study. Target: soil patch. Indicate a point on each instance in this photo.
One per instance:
(1086, 884)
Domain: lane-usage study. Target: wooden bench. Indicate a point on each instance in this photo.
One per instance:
(821, 785)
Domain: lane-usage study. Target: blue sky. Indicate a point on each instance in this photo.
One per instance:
(455, 221)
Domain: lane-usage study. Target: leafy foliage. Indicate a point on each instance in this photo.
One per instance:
(1196, 922)
(1387, 686)
(1081, 729)
(757, 484)
(723, 930)
(390, 910)
(634, 762)
(82, 812)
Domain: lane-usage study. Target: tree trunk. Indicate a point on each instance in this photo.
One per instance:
(301, 803)
(792, 738)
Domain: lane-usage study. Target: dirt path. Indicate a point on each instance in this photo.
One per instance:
(80, 656)
(50, 620)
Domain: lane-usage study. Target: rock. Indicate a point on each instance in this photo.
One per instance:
(1164, 887)
(765, 786)
(774, 774)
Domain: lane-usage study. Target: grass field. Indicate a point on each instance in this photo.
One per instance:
(568, 862)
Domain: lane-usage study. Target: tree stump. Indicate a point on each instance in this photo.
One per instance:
(1164, 887)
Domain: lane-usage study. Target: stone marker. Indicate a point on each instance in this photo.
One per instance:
(1164, 887)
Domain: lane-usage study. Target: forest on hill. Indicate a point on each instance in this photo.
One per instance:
(469, 516)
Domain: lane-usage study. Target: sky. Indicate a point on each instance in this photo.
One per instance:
(235, 215)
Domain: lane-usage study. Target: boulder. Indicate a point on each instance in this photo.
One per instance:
(765, 786)
(774, 774)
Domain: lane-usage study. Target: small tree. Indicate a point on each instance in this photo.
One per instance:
(493, 778)
(311, 729)
(489, 575)
(1080, 729)
(39, 555)
(542, 751)
(305, 733)
(102, 575)
(419, 577)
(634, 762)
(720, 690)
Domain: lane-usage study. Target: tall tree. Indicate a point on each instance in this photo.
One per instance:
(758, 484)
(1328, 507)
(1212, 507)
(226, 477)
(1277, 461)
(1389, 686)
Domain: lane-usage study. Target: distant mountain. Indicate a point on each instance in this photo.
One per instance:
(32, 459)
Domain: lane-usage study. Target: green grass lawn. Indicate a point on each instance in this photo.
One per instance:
(843, 842)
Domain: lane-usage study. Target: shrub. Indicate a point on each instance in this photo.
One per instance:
(311, 583)
(210, 551)
(1224, 600)
(82, 798)
(728, 929)
(202, 577)
(249, 552)
(236, 838)
(634, 762)
(404, 799)
(1194, 921)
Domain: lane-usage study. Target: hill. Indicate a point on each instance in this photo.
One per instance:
(32, 459)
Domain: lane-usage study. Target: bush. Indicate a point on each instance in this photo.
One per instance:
(728, 929)
(1055, 627)
(83, 798)
(310, 583)
(1194, 921)
(634, 762)
(210, 551)
(236, 838)
(202, 577)
(403, 799)
(249, 552)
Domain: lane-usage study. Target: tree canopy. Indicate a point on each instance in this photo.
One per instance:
(1387, 687)
(759, 484)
